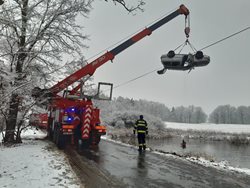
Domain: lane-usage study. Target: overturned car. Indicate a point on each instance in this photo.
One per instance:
(172, 61)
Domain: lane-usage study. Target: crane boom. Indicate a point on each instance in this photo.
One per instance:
(76, 119)
(90, 68)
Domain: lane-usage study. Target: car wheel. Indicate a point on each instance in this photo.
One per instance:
(171, 54)
(199, 55)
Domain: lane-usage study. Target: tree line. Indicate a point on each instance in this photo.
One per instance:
(223, 114)
(227, 114)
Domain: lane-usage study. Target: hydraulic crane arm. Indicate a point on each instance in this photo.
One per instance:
(90, 68)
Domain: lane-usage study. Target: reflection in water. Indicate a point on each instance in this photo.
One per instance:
(141, 160)
(91, 153)
(142, 168)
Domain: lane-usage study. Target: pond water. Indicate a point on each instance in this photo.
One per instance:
(235, 155)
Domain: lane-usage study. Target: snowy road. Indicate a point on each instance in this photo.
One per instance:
(115, 165)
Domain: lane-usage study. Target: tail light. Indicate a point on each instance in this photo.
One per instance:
(67, 129)
(100, 129)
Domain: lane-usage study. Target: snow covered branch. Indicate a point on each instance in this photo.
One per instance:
(129, 8)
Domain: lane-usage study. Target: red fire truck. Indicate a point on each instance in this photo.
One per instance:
(73, 118)
(39, 120)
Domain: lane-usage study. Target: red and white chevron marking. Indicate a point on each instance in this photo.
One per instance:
(86, 122)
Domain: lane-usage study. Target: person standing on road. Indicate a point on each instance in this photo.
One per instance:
(142, 129)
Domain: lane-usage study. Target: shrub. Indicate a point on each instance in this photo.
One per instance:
(127, 119)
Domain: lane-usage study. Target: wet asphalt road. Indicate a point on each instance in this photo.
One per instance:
(147, 169)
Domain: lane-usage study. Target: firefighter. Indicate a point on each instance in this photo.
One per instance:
(142, 129)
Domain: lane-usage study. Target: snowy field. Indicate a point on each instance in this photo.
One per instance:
(225, 128)
(35, 163)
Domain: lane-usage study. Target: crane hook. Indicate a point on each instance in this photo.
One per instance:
(187, 26)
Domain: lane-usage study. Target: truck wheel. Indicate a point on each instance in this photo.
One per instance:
(49, 134)
(85, 144)
(60, 140)
(54, 136)
(97, 140)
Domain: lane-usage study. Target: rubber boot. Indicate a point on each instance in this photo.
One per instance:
(140, 148)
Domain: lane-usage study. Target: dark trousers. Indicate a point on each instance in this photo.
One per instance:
(141, 140)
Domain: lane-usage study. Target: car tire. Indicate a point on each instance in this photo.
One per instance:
(199, 55)
(171, 54)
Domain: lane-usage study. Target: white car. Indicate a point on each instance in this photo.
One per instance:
(183, 62)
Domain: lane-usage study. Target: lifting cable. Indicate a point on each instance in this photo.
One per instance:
(212, 44)
(145, 74)
(183, 45)
(225, 38)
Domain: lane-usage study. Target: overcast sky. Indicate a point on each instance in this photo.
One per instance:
(225, 80)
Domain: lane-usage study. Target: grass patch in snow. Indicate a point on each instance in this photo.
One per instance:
(119, 133)
(232, 138)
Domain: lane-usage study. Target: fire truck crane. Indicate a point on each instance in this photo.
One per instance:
(75, 119)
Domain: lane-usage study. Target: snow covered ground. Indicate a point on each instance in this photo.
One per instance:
(35, 163)
(225, 128)
(223, 165)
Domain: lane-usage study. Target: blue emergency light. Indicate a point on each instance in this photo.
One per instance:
(70, 110)
(67, 118)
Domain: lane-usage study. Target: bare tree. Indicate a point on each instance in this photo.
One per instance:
(227, 114)
(35, 34)
(130, 8)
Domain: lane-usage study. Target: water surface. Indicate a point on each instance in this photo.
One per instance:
(236, 155)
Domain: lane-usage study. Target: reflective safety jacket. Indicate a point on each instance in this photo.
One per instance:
(141, 126)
